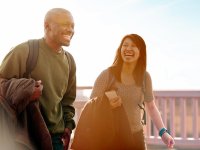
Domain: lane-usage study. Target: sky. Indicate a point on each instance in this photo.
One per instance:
(170, 28)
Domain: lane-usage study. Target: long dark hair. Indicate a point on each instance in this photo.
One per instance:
(140, 69)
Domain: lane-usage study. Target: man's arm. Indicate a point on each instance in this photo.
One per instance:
(70, 96)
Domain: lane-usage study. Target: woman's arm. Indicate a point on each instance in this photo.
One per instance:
(157, 120)
(154, 114)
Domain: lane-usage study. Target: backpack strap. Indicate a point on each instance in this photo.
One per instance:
(111, 81)
(69, 57)
(32, 56)
(72, 65)
(143, 121)
(144, 84)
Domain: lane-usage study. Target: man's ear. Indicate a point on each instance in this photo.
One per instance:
(46, 26)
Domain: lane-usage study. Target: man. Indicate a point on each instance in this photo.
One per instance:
(53, 71)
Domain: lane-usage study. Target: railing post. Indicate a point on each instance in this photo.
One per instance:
(195, 118)
(172, 116)
(183, 118)
(155, 130)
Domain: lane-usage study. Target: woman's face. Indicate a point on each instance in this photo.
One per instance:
(129, 51)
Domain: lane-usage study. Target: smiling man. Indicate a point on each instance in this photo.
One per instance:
(54, 74)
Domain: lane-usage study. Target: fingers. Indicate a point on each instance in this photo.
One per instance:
(40, 87)
(38, 83)
(66, 138)
(171, 143)
(115, 102)
(168, 140)
(37, 91)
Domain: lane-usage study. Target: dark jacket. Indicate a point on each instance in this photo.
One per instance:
(102, 128)
(27, 128)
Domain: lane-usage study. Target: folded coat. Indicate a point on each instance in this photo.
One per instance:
(102, 128)
(21, 116)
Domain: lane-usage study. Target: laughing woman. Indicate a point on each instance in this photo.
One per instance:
(131, 87)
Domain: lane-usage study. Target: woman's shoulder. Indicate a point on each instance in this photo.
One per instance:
(103, 76)
(147, 79)
(147, 75)
(105, 71)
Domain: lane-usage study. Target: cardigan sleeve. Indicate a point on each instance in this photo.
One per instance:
(100, 84)
(148, 95)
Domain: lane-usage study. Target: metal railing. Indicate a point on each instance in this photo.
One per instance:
(180, 114)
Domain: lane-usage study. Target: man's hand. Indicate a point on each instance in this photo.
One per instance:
(37, 92)
(66, 138)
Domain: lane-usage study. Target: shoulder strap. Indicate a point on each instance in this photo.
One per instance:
(69, 59)
(144, 84)
(143, 104)
(32, 56)
(72, 73)
(111, 81)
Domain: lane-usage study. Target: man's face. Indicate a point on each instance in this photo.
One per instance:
(61, 29)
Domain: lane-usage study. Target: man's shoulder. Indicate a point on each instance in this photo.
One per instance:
(68, 54)
(70, 58)
(20, 48)
(24, 46)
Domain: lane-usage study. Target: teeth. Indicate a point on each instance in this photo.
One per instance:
(67, 37)
(129, 54)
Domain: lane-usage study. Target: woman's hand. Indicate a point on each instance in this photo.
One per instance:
(168, 140)
(114, 99)
(115, 102)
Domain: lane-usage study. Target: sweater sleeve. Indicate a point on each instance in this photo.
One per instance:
(17, 92)
(148, 96)
(100, 84)
(70, 96)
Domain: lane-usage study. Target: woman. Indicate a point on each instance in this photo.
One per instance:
(131, 79)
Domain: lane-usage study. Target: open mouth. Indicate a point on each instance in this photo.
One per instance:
(129, 53)
(67, 37)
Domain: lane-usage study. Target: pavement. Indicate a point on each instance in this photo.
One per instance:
(160, 147)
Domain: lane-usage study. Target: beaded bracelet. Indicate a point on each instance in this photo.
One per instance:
(162, 131)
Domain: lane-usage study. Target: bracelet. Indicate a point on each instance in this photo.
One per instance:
(162, 131)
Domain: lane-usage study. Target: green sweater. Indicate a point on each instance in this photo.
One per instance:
(58, 79)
